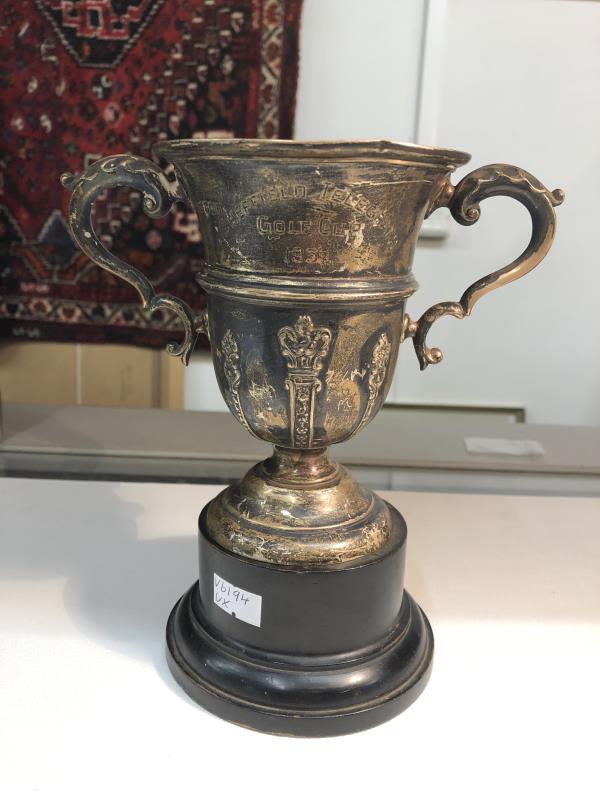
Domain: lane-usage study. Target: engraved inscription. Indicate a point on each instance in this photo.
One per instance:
(335, 196)
(376, 373)
(275, 228)
(304, 347)
(304, 255)
(325, 196)
(264, 197)
(324, 226)
(231, 367)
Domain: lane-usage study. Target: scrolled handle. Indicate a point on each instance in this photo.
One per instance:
(463, 202)
(144, 176)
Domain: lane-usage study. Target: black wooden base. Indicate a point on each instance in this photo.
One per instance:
(337, 650)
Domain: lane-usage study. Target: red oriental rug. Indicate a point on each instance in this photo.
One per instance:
(80, 79)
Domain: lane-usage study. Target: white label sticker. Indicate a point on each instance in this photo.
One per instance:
(240, 603)
(504, 447)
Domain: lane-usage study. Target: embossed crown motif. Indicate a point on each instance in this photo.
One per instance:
(304, 346)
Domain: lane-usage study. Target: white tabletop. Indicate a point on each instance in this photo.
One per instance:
(89, 572)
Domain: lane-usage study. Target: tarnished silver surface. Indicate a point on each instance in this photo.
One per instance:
(309, 248)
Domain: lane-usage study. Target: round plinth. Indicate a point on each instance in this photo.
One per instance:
(309, 697)
(304, 652)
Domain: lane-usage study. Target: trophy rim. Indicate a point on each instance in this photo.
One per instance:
(334, 150)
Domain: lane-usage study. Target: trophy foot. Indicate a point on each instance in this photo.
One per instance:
(300, 652)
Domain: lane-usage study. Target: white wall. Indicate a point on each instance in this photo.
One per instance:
(520, 82)
(359, 69)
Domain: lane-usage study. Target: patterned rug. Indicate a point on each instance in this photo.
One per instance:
(84, 78)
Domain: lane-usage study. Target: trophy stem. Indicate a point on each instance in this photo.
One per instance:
(295, 466)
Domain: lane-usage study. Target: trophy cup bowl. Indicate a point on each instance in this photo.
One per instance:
(299, 623)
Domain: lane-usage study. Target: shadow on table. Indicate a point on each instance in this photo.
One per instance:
(119, 588)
